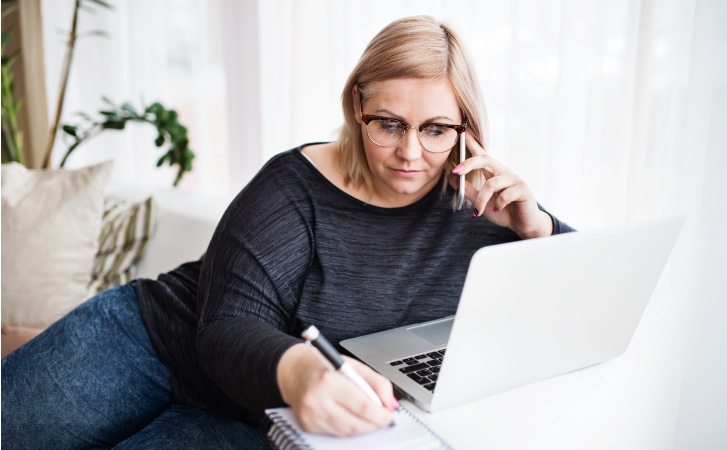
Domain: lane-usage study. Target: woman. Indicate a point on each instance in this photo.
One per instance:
(355, 236)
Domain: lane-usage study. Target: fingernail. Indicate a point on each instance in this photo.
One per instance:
(494, 209)
(458, 169)
(394, 402)
(475, 213)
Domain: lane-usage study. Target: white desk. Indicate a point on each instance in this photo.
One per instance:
(630, 402)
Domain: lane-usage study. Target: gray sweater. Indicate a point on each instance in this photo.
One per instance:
(293, 250)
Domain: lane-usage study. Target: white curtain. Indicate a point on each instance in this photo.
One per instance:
(162, 50)
(611, 110)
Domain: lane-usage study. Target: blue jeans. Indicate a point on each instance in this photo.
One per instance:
(93, 380)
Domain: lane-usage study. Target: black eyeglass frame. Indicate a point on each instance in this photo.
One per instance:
(366, 118)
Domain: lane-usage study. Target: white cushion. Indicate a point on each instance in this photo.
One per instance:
(50, 227)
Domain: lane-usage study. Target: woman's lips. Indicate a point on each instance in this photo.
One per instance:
(406, 173)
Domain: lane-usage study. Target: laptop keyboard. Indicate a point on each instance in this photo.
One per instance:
(424, 368)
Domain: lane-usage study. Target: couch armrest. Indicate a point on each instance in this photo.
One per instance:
(185, 223)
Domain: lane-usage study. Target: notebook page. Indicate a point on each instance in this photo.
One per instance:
(408, 433)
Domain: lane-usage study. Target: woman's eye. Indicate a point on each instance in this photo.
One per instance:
(435, 131)
(389, 126)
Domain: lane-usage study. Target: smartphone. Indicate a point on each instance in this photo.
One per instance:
(460, 191)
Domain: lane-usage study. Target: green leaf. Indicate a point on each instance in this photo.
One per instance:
(162, 159)
(8, 11)
(130, 109)
(94, 33)
(111, 116)
(11, 59)
(102, 3)
(155, 108)
(159, 141)
(113, 125)
(70, 130)
(109, 102)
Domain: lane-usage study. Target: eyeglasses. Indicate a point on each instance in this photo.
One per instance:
(388, 132)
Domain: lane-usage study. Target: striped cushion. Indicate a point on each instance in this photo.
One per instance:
(125, 231)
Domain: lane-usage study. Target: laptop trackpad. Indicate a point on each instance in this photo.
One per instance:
(436, 333)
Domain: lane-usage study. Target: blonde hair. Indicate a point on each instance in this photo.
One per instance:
(413, 47)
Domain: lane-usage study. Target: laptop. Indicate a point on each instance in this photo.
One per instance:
(529, 310)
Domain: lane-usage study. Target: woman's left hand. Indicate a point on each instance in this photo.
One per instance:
(505, 199)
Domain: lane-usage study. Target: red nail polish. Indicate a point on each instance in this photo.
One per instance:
(494, 209)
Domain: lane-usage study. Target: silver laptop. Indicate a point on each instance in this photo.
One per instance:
(529, 310)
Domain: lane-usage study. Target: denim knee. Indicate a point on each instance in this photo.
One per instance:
(184, 427)
(90, 380)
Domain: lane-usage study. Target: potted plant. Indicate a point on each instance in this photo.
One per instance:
(171, 134)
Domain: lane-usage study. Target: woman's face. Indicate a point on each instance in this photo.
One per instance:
(405, 173)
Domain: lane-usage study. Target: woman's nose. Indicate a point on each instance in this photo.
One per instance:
(410, 148)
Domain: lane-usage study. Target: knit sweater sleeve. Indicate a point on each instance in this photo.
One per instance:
(249, 284)
(558, 226)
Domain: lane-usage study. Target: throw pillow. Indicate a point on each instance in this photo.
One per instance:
(50, 226)
(125, 231)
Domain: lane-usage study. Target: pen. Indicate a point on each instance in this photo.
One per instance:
(315, 338)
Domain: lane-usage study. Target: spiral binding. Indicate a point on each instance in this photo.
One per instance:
(282, 436)
(423, 425)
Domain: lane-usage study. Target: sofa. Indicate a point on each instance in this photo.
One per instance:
(183, 223)
(183, 227)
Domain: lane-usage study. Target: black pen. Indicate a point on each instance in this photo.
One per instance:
(315, 338)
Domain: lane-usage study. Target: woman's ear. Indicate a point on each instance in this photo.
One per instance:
(356, 103)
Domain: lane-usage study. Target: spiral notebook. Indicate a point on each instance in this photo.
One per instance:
(408, 433)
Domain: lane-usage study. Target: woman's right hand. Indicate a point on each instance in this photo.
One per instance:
(327, 402)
